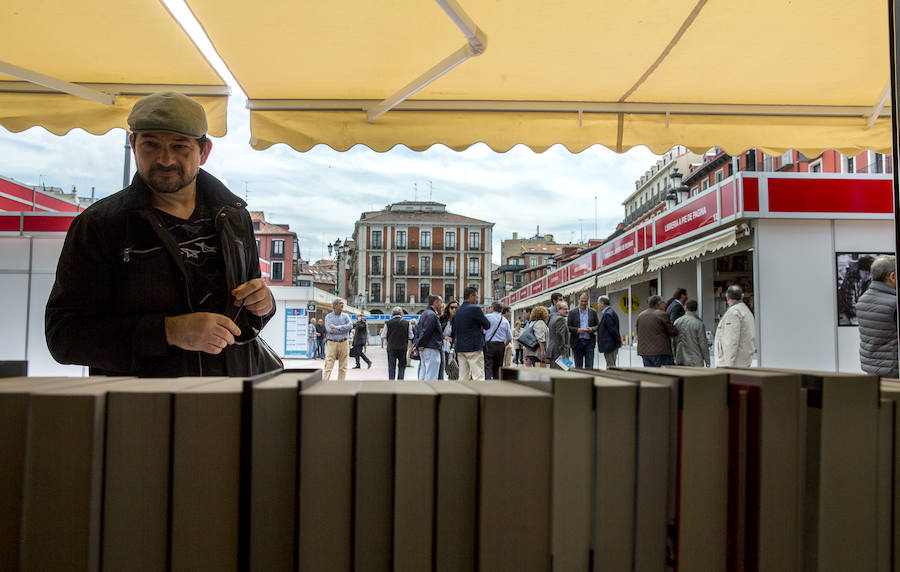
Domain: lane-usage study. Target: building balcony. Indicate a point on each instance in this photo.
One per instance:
(376, 272)
(471, 274)
(377, 245)
(449, 273)
(400, 272)
(400, 246)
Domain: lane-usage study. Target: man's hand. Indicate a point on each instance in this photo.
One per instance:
(255, 296)
(201, 331)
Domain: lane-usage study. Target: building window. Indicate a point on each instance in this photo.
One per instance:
(277, 271)
(425, 239)
(449, 292)
(450, 240)
(424, 291)
(376, 239)
(399, 292)
(751, 160)
(473, 267)
(425, 266)
(450, 267)
(376, 265)
(532, 261)
(879, 163)
(720, 174)
(401, 268)
(401, 239)
(851, 164)
(302, 283)
(787, 158)
(704, 184)
(257, 246)
(475, 240)
(816, 167)
(256, 225)
(277, 248)
(375, 290)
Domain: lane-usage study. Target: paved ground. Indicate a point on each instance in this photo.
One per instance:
(378, 371)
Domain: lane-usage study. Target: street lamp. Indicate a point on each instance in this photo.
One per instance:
(339, 249)
(679, 192)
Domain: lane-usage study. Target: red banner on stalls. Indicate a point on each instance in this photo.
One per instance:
(582, 265)
(620, 248)
(696, 214)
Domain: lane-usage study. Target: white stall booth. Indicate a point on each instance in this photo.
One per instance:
(798, 244)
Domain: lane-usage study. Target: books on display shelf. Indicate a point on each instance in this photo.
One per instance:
(616, 473)
(414, 442)
(884, 540)
(137, 471)
(268, 478)
(890, 390)
(766, 466)
(697, 464)
(327, 417)
(572, 469)
(514, 474)
(63, 470)
(373, 534)
(205, 476)
(456, 486)
(15, 394)
(841, 464)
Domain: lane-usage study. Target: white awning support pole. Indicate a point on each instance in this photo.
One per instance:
(476, 44)
(57, 84)
(876, 111)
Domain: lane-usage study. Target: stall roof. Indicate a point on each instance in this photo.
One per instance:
(83, 64)
(693, 249)
(807, 74)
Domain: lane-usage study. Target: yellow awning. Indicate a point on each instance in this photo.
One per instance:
(97, 57)
(807, 74)
(621, 273)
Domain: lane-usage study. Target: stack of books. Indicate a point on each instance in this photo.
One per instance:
(646, 469)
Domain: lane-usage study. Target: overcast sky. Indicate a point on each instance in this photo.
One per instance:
(321, 193)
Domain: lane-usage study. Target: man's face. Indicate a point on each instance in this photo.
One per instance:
(321, 322)
(583, 301)
(438, 305)
(338, 307)
(168, 162)
(661, 305)
(563, 309)
(682, 298)
(600, 304)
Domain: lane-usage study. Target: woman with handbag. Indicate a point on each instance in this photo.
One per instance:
(519, 349)
(450, 364)
(537, 356)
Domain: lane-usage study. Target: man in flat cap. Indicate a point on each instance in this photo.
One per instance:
(162, 279)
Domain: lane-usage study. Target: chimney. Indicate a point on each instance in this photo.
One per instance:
(515, 236)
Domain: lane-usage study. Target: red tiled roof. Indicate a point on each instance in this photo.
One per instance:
(422, 217)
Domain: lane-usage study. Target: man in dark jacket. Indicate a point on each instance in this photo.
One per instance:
(876, 311)
(609, 340)
(162, 279)
(469, 325)
(654, 330)
(582, 323)
(397, 332)
(360, 341)
(430, 340)
(558, 339)
(675, 309)
(320, 338)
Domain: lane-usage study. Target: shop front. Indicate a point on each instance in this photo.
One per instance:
(797, 244)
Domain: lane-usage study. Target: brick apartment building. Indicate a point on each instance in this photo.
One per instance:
(412, 249)
(278, 249)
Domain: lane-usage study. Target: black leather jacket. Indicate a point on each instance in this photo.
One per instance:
(120, 274)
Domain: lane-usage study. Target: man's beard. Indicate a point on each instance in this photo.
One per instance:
(167, 185)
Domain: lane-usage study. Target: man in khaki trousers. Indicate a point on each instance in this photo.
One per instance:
(337, 335)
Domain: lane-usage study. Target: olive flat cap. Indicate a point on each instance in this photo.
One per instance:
(168, 111)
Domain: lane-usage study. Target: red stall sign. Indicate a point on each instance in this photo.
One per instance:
(581, 266)
(694, 215)
(621, 248)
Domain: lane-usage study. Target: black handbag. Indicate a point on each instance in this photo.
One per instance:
(414, 353)
(527, 338)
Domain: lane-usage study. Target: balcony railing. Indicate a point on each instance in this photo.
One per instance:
(424, 246)
(400, 272)
(474, 274)
(378, 245)
(449, 273)
(400, 246)
(474, 246)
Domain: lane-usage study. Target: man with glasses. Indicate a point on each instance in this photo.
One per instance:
(162, 279)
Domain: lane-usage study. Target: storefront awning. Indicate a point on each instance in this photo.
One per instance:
(83, 64)
(695, 249)
(619, 274)
(572, 72)
(579, 286)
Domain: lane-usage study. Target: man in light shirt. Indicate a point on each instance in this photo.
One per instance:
(496, 337)
(337, 332)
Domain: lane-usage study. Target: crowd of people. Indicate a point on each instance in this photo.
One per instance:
(463, 341)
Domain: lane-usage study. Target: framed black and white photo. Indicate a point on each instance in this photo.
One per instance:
(853, 278)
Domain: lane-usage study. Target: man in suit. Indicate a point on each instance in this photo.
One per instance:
(675, 309)
(558, 338)
(469, 325)
(583, 323)
(609, 340)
